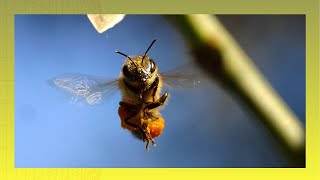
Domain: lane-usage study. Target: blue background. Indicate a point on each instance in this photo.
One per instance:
(205, 127)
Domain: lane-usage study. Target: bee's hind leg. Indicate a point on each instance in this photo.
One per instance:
(143, 134)
(148, 138)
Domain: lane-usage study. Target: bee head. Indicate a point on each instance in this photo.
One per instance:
(139, 69)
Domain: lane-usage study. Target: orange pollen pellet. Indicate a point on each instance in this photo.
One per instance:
(156, 127)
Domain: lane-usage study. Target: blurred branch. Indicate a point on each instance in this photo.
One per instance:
(217, 53)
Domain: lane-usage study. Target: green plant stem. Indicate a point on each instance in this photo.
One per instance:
(218, 54)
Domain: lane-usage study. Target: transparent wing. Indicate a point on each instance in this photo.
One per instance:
(85, 88)
(182, 77)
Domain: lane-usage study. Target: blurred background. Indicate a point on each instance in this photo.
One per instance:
(205, 126)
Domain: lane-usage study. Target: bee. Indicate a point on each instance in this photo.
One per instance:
(140, 84)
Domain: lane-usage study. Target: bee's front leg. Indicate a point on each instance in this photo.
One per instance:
(155, 88)
(159, 102)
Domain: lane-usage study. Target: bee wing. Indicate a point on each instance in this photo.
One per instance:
(85, 88)
(180, 78)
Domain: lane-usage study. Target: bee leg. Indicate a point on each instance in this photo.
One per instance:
(128, 106)
(154, 93)
(148, 138)
(158, 103)
(134, 112)
(147, 145)
(126, 120)
(154, 86)
(145, 136)
(163, 98)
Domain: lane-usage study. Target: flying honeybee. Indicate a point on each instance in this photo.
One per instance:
(140, 83)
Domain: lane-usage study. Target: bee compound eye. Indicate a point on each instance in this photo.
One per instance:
(152, 66)
(126, 72)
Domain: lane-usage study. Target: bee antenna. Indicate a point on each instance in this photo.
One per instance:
(148, 50)
(123, 54)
